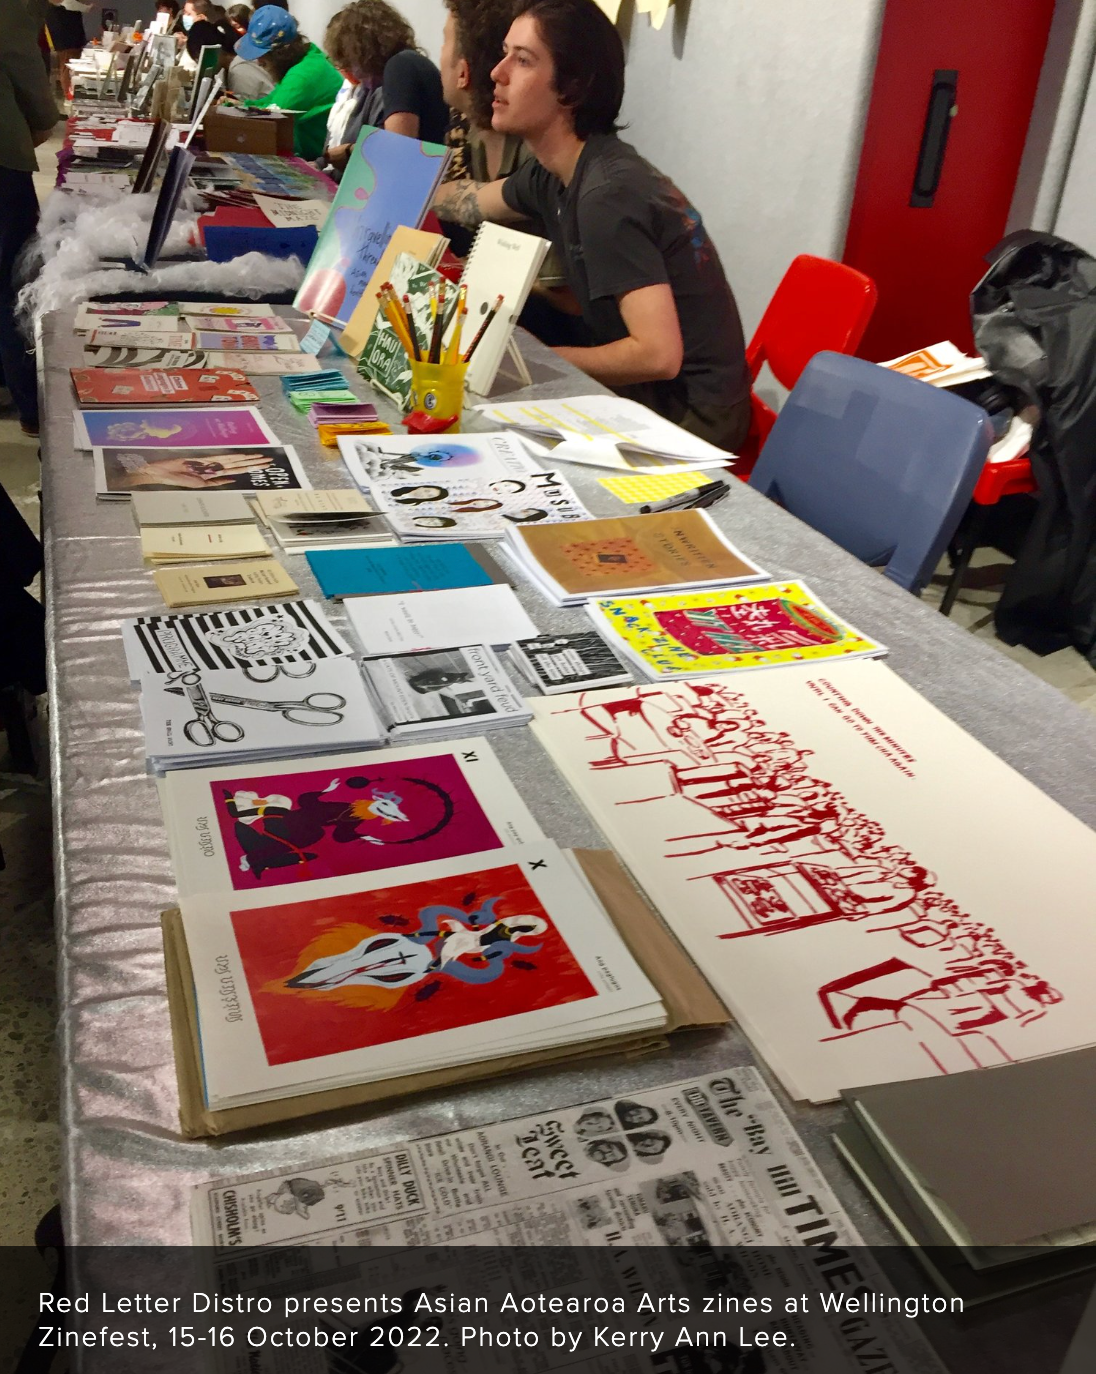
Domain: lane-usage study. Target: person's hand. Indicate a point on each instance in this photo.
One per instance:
(339, 155)
(199, 474)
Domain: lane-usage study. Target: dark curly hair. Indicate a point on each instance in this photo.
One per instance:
(285, 56)
(361, 38)
(588, 55)
(482, 26)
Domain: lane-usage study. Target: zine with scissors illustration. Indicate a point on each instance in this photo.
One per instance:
(125, 469)
(293, 633)
(193, 716)
(263, 826)
(168, 428)
(363, 979)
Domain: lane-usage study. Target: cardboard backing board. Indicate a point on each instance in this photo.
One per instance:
(690, 1004)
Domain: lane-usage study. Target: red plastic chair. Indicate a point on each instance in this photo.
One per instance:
(819, 305)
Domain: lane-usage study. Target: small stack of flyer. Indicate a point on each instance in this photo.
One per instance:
(690, 634)
(450, 693)
(630, 553)
(367, 979)
(301, 520)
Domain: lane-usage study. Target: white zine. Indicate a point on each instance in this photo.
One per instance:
(875, 894)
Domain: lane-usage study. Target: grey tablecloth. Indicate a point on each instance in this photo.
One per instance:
(127, 1171)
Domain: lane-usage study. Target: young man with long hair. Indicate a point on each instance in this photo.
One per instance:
(662, 318)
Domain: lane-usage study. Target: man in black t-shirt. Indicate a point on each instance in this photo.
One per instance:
(663, 320)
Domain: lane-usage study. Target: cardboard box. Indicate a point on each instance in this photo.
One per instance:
(261, 133)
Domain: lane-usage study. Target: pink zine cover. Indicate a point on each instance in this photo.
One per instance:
(295, 827)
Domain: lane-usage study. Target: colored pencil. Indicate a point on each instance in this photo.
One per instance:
(482, 330)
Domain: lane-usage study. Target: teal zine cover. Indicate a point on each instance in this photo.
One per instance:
(389, 180)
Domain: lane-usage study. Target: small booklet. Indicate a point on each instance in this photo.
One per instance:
(374, 572)
(367, 979)
(690, 634)
(180, 386)
(449, 693)
(247, 581)
(607, 432)
(251, 364)
(281, 639)
(121, 471)
(301, 520)
(195, 543)
(470, 486)
(226, 427)
(273, 824)
(629, 553)
(190, 339)
(201, 716)
(258, 324)
(569, 663)
(191, 508)
(414, 622)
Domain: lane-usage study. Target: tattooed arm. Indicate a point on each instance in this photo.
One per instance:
(469, 203)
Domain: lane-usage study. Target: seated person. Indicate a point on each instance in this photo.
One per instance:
(373, 45)
(304, 79)
(662, 318)
(245, 78)
(205, 26)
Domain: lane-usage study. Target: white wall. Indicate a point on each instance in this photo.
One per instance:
(754, 107)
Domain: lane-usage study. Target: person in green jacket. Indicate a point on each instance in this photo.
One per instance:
(306, 82)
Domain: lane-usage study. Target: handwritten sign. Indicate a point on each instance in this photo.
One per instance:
(293, 214)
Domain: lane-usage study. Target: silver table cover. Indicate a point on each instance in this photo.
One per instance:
(127, 1172)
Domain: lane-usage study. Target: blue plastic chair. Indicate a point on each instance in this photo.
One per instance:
(882, 464)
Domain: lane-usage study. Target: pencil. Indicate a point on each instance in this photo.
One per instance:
(411, 327)
(453, 353)
(482, 330)
(393, 319)
(435, 337)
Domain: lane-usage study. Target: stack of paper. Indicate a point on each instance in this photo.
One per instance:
(367, 979)
(196, 716)
(845, 865)
(447, 694)
(182, 385)
(470, 486)
(631, 553)
(253, 364)
(266, 825)
(185, 339)
(205, 584)
(929, 1152)
(689, 634)
(569, 663)
(376, 572)
(201, 543)
(268, 641)
(415, 622)
(607, 432)
(301, 520)
(191, 508)
(244, 324)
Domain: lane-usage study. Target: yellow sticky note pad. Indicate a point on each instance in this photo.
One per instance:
(653, 486)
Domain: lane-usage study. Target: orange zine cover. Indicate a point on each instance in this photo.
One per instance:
(130, 386)
(666, 548)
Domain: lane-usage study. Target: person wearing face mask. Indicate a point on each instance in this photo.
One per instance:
(663, 323)
(245, 78)
(205, 26)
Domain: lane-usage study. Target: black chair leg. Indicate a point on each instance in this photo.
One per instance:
(962, 563)
(48, 1235)
(13, 719)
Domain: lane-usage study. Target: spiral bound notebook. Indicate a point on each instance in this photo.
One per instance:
(502, 262)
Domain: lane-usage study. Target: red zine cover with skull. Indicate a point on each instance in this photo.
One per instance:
(370, 968)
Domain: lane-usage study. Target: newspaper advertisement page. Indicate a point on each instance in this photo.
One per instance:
(684, 1228)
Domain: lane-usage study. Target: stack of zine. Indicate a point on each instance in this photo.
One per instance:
(468, 486)
(382, 914)
(631, 553)
(270, 681)
(450, 693)
(362, 980)
(764, 625)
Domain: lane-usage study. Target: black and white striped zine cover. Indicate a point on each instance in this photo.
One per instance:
(285, 632)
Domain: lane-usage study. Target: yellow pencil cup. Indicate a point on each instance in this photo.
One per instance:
(437, 389)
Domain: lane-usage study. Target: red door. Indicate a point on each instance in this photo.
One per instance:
(925, 258)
